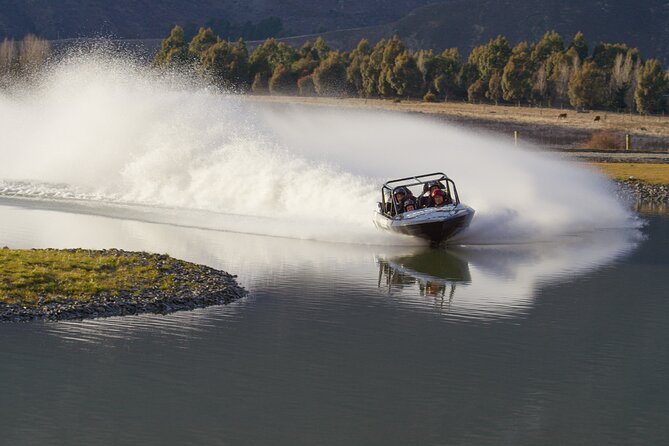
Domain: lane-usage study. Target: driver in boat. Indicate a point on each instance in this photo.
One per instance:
(401, 194)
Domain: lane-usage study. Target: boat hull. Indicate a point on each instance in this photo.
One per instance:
(434, 224)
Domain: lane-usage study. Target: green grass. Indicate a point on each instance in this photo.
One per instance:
(33, 277)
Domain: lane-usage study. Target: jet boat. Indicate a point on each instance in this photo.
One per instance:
(436, 224)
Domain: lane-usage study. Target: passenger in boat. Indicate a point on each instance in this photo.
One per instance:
(396, 202)
(409, 205)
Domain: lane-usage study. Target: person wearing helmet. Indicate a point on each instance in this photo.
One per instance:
(409, 205)
(426, 200)
(439, 198)
(399, 196)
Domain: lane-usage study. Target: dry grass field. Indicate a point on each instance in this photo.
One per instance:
(591, 121)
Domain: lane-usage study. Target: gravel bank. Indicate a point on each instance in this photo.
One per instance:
(645, 193)
(195, 286)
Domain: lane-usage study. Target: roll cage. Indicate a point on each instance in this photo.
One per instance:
(389, 187)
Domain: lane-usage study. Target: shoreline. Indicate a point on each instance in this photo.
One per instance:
(642, 193)
(191, 286)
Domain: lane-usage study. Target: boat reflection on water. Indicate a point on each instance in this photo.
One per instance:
(486, 282)
(434, 272)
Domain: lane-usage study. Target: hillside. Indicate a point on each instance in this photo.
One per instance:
(465, 24)
(131, 19)
(420, 23)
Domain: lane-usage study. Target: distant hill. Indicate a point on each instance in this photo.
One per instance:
(465, 24)
(132, 19)
(420, 23)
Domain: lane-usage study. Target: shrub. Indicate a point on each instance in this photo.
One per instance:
(429, 97)
(604, 140)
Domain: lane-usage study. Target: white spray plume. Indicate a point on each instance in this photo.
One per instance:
(111, 129)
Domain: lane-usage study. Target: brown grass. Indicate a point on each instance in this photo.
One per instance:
(605, 140)
(615, 122)
(649, 173)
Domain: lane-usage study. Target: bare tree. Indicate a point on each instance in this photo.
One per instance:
(621, 80)
(7, 58)
(33, 54)
(540, 85)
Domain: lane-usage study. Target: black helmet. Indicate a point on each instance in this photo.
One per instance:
(401, 190)
(409, 202)
(430, 184)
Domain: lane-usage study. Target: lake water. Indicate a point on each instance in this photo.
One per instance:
(561, 342)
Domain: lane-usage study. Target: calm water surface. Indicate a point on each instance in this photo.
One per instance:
(547, 343)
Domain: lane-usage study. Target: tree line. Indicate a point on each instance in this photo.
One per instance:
(549, 72)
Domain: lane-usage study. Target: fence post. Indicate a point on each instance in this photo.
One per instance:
(515, 137)
(628, 142)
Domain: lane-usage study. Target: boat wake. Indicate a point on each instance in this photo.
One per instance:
(101, 129)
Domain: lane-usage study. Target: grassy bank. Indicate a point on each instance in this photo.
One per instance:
(32, 277)
(648, 173)
(77, 284)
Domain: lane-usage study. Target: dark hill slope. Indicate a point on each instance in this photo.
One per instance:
(152, 19)
(467, 23)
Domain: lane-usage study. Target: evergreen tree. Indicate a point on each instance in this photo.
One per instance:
(491, 57)
(330, 76)
(321, 48)
(517, 76)
(173, 50)
(282, 81)
(587, 86)
(549, 44)
(652, 88)
(371, 70)
(579, 46)
(467, 75)
(446, 67)
(260, 84)
(269, 55)
(405, 78)
(203, 40)
(393, 48)
(605, 54)
(494, 91)
(226, 64)
(305, 86)
(359, 57)
(304, 66)
(476, 91)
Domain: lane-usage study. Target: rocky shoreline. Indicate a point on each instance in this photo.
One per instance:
(644, 193)
(195, 286)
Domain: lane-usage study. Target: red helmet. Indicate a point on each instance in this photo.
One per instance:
(437, 192)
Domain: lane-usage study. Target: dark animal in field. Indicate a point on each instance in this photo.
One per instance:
(562, 116)
(597, 118)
